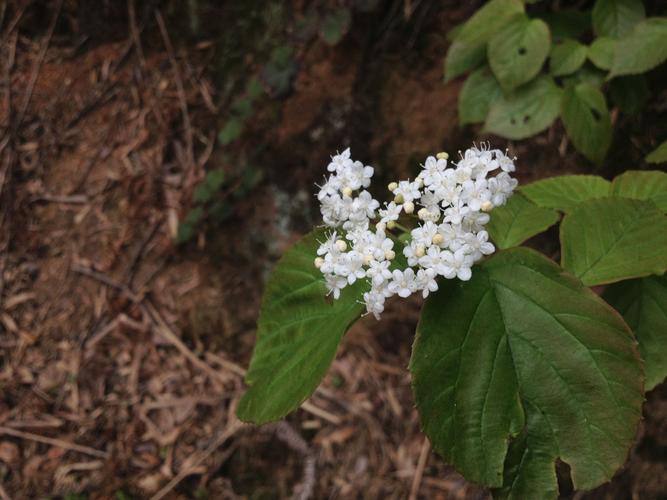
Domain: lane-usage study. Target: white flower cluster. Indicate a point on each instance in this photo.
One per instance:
(448, 237)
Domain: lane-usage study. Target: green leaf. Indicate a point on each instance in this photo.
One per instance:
(642, 185)
(209, 186)
(643, 304)
(523, 353)
(297, 334)
(517, 220)
(567, 23)
(479, 91)
(601, 52)
(525, 112)
(658, 155)
(643, 49)
(188, 228)
(616, 18)
(565, 192)
(231, 131)
(335, 25)
(629, 93)
(613, 239)
(518, 50)
(567, 57)
(469, 48)
(587, 121)
(586, 74)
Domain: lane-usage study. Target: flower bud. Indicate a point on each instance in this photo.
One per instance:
(398, 199)
(389, 255)
(423, 213)
(381, 226)
(420, 251)
(392, 186)
(391, 224)
(487, 206)
(438, 239)
(347, 191)
(367, 260)
(341, 245)
(442, 156)
(408, 207)
(318, 262)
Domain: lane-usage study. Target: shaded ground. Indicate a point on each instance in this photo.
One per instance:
(122, 353)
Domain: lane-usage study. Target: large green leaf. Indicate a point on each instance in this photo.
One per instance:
(517, 220)
(643, 304)
(565, 192)
(297, 334)
(613, 239)
(658, 155)
(616, 18)
(587, 121)
(643, 49)
(518, 50)
(567, 57)
(601, 52)
(526, 111)
(642, 185)
(477, 94)
(524, 353)
(468, 49)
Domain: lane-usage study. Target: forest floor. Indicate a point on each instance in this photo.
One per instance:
(122, 354)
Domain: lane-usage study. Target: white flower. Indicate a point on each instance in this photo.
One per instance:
(425, 281)
(379, 272)
(374, 303)
(335, 284)
(403, 283)
(433, 170)
(390, 212)
(423, 235)
(408, 191)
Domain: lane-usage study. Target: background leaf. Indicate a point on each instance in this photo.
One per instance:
(565, 192)
(517, 220)
(479, 91)
(587, 121)
(658, 155)
(614, 239)
(297, 334)
(518, 50)
(601, 52)
(643, 49)
(567, 57)
(335, 25)
(616, 18)
(642, 185)
(524, 353)
(643, 304)
(525, 112)
(469, 48)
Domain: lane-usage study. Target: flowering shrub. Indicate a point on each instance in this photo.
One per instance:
(516, 362)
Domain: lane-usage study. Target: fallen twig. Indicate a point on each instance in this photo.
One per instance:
(66, 445)
(38, 65)
(180, 89)
(419, 473)
(103, 278)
